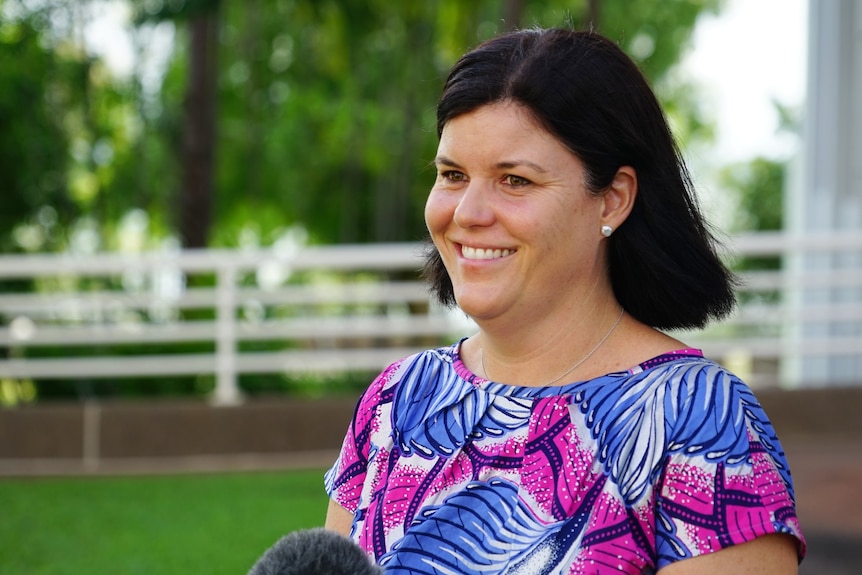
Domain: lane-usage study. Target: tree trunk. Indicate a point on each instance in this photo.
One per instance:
(196, 194)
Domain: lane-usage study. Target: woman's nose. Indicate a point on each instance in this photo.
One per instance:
(474, 207)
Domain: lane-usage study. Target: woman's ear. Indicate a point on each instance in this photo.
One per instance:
(619, 198)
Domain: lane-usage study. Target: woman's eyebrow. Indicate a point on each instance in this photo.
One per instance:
(519, 163)
(445, 161)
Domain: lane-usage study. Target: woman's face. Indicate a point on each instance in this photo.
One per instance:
(516, 228)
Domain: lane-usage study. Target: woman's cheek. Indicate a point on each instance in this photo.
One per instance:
(438, 211)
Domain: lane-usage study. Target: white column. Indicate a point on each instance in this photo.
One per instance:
(825, 193)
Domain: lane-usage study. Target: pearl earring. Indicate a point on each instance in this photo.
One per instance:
(607, 231)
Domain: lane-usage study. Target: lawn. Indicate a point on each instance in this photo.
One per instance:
(155, 525)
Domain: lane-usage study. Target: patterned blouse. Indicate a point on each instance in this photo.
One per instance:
(449, 473)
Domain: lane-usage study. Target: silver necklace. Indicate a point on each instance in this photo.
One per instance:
(571, 369)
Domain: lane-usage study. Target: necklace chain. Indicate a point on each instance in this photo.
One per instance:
(571, 369)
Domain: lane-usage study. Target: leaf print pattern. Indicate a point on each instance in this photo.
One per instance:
(435, 412)
(624, 473)
(495, 533)
(693, 407)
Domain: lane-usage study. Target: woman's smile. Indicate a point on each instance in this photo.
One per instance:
(471, 253)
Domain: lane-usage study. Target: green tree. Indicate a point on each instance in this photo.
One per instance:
(326, 108)
(38, 87)
(320, 113)
(67, 125)
(758, 187)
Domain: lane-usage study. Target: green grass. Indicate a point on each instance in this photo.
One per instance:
(182, 525)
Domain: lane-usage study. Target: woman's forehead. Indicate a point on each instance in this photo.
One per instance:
(507, 131)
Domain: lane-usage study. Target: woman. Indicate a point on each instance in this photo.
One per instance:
(569, 435)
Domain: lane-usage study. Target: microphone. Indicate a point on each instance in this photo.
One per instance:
(315, 551)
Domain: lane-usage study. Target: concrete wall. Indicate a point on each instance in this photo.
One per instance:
(105, 436)
(153, 435)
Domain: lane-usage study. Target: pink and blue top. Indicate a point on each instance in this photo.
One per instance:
(448, 473)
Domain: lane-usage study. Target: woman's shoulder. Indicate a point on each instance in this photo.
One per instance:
(670, 360)
(423, 366)
(688, 395)
(683, 377)
(680, 403)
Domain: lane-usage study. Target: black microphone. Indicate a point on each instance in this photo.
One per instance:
(315, 551)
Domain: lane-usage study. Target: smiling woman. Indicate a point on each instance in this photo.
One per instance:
(513, 221)
(570, 434)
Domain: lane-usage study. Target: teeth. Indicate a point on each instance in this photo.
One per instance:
(484, 254)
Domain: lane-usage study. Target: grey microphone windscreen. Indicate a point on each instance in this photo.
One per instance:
(315, 551)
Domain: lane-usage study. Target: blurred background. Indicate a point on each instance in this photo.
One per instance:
(159, 127)
(212, 222)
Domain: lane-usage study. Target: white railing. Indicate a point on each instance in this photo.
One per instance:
(343, 315)
(800, 325)
(338, 309)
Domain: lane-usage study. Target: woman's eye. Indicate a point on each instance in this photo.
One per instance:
(516, 181)
(454, 176)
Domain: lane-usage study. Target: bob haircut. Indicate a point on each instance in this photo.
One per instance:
(583, 89)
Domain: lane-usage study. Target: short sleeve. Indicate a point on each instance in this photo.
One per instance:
(345, 479)
(711, 500)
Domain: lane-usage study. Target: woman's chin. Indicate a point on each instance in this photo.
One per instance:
(478, 308)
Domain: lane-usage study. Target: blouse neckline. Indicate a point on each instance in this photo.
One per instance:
(497, 388)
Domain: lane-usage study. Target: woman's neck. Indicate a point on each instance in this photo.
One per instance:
(538, 350)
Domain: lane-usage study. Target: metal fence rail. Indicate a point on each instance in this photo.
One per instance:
(350, 307)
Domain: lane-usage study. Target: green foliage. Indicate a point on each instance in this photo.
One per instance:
(160, 10)
(71, 137)
(309, 386)
(215, 524)
(325, 110)
(759, 188)
(653, 33)
(39, 85)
